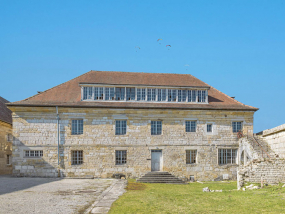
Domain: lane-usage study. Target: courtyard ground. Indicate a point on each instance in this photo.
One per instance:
(171, 198)
(49, 195)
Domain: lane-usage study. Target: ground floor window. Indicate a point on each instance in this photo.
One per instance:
(121, 157)
(227, 156)
(191, 156)
(34, 153)
(76, 157)
(8, 161)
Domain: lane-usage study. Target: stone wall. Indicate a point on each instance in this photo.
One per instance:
(276, 139)
(270, 171)
(5, 148)
(36, 128)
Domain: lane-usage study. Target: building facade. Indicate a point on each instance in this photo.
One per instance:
(6, 138)
(103, 123)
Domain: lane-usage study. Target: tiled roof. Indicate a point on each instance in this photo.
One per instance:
(69, 93)
(5, 113)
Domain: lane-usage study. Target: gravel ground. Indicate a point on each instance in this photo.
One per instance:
(49, 195)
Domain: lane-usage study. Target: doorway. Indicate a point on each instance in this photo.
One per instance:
(156, 160)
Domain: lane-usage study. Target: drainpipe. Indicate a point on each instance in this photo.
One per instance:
(57, 118)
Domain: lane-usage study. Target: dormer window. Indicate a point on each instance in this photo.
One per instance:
(144, 94)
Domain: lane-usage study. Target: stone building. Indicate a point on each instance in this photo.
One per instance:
(6, 138)
(102, 123)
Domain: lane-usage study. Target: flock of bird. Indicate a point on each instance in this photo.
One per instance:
(169, 46)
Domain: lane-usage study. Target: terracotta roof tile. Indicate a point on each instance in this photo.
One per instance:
(5, 113)
(69, 93)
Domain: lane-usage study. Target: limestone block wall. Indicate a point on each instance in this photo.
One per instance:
(276, 139)
(5, 148)
(36, 129)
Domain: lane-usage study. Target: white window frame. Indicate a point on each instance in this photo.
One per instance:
(120, 127)
(33, 153)
(209, 124)
(119, 157)
(191, 153)
(190, 130)
(76, 130)
(235, 127)
(223, 156)
(154, 124)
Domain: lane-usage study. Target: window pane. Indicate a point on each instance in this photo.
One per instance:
(139, 94)
(158, 94)
(156, 127)
(209, 127)
(131, 94)
(227, 156)
(179, 95)
(77, 127)
(190, 126)
(121, 157)
(151, 94)
(120, 93)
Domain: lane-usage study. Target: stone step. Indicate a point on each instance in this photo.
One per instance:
(160, 177)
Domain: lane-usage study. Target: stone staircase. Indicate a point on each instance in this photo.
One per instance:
(160, 177)
(262, 148)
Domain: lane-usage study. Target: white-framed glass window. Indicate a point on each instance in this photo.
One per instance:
(182, 95)
(190, 126)
(77, 127)
(201, 96)
(121, 127)
(131, 94)
(76, 157)
(191, 96)
(227, 156)
(9, 137)
(156, 127)
(8, 159)
(109, 93)
(98, 93)
(120, 93)
(209, 128)
(87, 93)
(141, 94)
(121, 157)
(191, 156)
(161, 95)
(237, 126)
(171, 95)
(151, 94)
(33, 153)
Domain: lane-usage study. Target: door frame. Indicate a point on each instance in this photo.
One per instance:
(160, 161)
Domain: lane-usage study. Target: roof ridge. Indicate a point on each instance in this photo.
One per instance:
(54, 87)
(225, 94)
(140, 72)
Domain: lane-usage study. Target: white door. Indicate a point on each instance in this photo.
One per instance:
(156, 160)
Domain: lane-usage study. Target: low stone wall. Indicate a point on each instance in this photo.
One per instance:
(270, 171)
(276, 139)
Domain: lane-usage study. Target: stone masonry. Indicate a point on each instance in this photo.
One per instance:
(5, 147)
(36, 128)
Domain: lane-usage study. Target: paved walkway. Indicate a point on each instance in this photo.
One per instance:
(104, 201)
(57, 196)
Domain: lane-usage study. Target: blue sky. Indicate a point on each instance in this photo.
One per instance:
(235, 46)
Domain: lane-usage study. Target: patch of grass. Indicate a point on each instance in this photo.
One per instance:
(173, 198)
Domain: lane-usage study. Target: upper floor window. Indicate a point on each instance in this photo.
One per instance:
(144, 94)
(77, 127)
(237, 126)
(121, 127)
(8, 160)
(120, 93)
(156, 127)
(227, 156)
(190, 126)
(141, 94)
(209, 128)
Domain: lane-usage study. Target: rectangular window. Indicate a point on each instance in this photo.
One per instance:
(182, 95)
(34, 153)
(171, 95)
(87, 93)
(227, 156)
(237, 126)
(76, 157)
(151, 95)
(8, 160)
(121, 127)
(191, 156)
(77, 127)
(131, 93)
(201, 96)
(190, 126)
(209, 128)
(121, 157)
(109, 94)
(161, 94)
(98, 93)
(141, 94)
(9, 137)
(191, 96)
(156, 127)
(120, 93)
